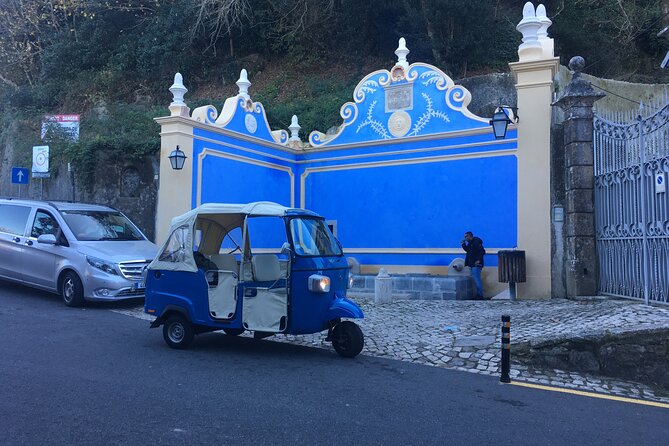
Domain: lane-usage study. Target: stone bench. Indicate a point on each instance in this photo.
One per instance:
(421, 286)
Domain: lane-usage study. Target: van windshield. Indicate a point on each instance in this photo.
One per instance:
(311, 237)
(101, 225)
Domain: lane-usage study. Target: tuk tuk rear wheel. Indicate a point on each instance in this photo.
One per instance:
(347, 339)
(178, 332)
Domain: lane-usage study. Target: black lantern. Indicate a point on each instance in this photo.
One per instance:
(500, 122)
(177, 159)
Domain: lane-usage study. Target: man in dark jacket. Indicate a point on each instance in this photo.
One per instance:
(474, 259)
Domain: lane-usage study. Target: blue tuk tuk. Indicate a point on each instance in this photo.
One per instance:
(258, 267)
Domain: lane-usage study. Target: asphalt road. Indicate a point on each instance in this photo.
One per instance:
(92, 376)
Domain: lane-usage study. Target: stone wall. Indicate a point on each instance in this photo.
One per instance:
(642, 356)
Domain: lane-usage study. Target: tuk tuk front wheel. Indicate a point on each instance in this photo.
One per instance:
(178, 332)
(347, 339)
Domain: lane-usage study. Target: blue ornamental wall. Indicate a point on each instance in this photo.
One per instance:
(409, 170)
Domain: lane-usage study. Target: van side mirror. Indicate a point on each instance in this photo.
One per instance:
(47, 239)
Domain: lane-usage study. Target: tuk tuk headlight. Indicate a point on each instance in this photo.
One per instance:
(319, 284)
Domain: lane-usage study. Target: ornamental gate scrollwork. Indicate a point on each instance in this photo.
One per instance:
(631, 211)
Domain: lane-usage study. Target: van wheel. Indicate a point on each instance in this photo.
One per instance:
(233, 331)
(347, 339)
(178, 332)
(71, 290)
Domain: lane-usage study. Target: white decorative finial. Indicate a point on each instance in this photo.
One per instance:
(401, 53)
(178, 90)
(530, 49)
(294, 129)
(545, 41)
(244, 84)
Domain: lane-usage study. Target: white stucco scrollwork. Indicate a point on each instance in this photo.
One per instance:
(206, 114)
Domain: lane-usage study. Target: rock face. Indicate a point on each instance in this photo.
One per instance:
(641, 356)
(489, 92)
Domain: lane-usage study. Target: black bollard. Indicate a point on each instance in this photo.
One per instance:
(506, 349)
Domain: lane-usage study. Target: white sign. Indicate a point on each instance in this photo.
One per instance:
(40, 160)
(660, 183)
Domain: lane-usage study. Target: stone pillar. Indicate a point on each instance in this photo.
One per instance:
(581, 254)
(534, 73)
(175, 186)
(383, 287)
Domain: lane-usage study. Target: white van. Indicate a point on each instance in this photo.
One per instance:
(80, 251)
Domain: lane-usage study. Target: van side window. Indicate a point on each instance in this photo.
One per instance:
(13, 218)
(44, 224)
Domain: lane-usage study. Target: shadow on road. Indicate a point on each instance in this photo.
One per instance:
(46, 296)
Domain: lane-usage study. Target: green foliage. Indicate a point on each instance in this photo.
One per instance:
(125, 53)
(281, 105)
(116, 132)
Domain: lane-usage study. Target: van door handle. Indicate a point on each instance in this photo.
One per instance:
(17, 239)
(29, 242)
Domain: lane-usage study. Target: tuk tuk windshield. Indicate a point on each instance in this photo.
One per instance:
(311, 237)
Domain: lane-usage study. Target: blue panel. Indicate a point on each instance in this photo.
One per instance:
(232, 181)
(419, 205)
(251, 149)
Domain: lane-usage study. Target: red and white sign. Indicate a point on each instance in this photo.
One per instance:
(68, 123)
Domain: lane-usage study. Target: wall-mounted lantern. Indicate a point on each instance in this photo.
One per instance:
(501, 119)
(177, 159)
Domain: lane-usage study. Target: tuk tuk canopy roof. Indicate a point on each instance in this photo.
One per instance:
(258, 208)
(176, 254)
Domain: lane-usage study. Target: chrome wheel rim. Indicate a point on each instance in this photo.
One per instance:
(68, 289)
(176, 333)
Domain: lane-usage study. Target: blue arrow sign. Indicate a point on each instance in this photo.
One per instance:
(20, 175)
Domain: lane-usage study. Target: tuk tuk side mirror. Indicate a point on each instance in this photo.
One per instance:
(285, 249)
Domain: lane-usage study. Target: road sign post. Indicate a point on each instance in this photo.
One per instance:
(20, 176)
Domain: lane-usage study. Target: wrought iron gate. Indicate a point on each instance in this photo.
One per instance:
(631, 211)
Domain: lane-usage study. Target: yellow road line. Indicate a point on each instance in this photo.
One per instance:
(591, 394)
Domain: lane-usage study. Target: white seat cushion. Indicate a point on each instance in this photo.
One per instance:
(266, 267)
(225, 262)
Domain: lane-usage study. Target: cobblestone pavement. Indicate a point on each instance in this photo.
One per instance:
(465, 335)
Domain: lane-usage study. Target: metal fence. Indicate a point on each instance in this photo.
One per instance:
(632, 203)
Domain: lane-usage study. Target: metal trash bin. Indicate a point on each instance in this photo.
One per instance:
(511, 269)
